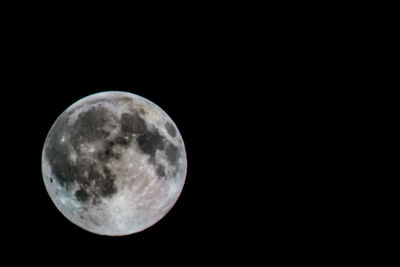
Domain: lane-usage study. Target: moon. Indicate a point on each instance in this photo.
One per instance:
(114, 163)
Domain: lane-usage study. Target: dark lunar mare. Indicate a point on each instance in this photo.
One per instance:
(57, 152)
(170, 129)
(172, 154)
(89, 128)
(148, 139)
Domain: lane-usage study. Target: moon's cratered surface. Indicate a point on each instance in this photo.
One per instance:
(114, 163)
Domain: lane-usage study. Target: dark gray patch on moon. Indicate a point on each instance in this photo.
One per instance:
(150, 142)
(108, 152)
(88, 128)
(160, 171)
(132, 123)
(82, 195)
(58, 152)
(172, 154)
(170, 129)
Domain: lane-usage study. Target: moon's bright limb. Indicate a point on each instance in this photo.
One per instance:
(114, 163)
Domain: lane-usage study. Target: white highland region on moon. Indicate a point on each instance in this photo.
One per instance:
(147, 178)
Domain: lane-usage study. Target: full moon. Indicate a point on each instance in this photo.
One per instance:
(114, 163)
